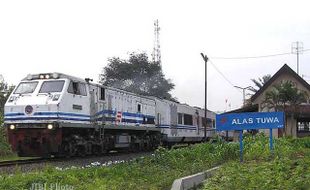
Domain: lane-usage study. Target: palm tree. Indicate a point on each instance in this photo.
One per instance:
(273, 98)
(259, 83)
(283, 95)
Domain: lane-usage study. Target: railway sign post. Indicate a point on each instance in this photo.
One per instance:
(250, 120)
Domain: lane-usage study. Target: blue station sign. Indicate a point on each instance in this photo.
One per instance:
(249, 120)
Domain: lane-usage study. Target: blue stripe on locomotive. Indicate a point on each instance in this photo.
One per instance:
(77, 117)
(84, 117)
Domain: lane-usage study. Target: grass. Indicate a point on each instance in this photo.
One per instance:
(287, 168)
(151, 172)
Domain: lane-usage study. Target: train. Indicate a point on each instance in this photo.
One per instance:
(54, 114)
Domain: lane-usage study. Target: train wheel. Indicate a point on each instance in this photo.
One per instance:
(81, 150)
(68, 149)
(134, 147)
(97, 150)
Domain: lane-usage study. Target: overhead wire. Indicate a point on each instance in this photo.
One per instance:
(247, 57)
(222, 74)
(260, 56)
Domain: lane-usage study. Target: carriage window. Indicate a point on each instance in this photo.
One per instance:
(207, 122)
(139, 107)
(52, 86)
(150, 121)
(102, 94)
(204, 121)
(158, 119)
(188, 119)
(180, 118)
(77, 88)
(26, 87)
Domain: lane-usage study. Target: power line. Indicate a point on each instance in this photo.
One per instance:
(218, 70)
(256, 57)
(249, 57)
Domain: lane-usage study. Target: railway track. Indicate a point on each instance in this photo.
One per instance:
(24, 162)
(12, 163)
(67, 161)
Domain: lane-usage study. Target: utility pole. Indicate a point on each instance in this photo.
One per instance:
(297, 48)
(243, 91)
(205, 58)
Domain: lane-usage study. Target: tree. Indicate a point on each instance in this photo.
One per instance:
(259, 83)
(283, 95)
(137, 75)
(3, 96)
(5, 91)
(273, 98)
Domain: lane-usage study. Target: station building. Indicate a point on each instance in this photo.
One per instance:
(297, 116)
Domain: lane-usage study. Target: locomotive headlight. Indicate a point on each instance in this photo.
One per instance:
(29, 76)
(41, 76)
(56, 97)
(50, 126)
(55, 75)
(12, 127)
(47, 76)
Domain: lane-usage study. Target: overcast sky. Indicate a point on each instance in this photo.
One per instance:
(77, 37)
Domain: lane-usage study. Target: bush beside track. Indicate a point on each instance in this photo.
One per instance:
(5, 149)
(164, 166)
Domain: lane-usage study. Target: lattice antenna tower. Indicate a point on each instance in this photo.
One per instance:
(156, 55)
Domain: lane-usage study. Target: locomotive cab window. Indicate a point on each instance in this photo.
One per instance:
(52, 86)
(77, 88)
(26, 87)
(102, 94)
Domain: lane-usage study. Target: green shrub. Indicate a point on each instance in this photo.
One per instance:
(289, 167)
(5, 149)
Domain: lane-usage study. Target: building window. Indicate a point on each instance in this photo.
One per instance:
(304, 126)
(102, 94)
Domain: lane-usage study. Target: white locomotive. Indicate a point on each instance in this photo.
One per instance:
(54, 113)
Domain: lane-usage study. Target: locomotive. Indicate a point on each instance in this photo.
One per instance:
(57, 114)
